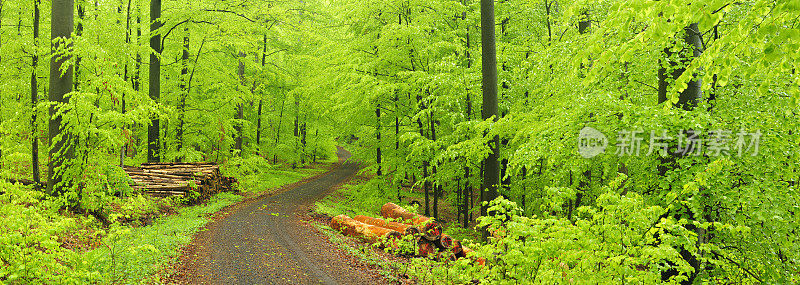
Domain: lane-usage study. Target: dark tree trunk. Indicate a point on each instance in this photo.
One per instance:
(466, 197)
(258, 126)
(278, 131)
(378, 136)
(427, 184)
(62, 148)
(184, 89)
(437, 186)
(153, 136)
(125, 78)
(296, 124)
(238, 126)
(689, 98)
(79, 33)
(491, 175)
(35, 96)
(261, 101)
(303, 142)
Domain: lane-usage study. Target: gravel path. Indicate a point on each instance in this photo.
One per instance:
(264, 242)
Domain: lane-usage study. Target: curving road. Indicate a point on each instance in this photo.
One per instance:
(264, 241)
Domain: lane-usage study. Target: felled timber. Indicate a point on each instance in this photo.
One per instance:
(399, 227)
(431, 230)
(179, 179)
(445, 242)
(370, 233)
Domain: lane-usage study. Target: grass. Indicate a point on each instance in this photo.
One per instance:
(131, 255)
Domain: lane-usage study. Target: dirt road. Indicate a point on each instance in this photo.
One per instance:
(265, 242)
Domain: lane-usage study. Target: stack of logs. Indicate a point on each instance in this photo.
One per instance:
(428, 234)
(179, 179)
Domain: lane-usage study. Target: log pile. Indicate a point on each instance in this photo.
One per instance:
(179, 179)
(430, 241)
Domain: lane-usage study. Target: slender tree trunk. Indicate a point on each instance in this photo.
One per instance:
(240, 108)
(62, 148)
(278, 130)
(35, 96)
(125, 78)
(427, 184)
(378, 135)
(78, 34)
(466, 198)
(153, 136)
(438, 186)
(184, 90)
(491, 175)
(296, 125)
(584, 185)
(303, 141)
(258, 126)
(137, 78)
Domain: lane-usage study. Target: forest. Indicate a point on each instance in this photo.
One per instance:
(564, 141)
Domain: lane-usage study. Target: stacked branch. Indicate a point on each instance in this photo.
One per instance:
(179, 179)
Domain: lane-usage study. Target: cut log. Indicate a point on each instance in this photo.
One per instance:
(425, 247)
(456, 248)
(392, 210)
(466, 251)
(369, 233)
(445, 242)
(400, 227)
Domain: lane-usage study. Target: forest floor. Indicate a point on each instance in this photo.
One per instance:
(272, 240)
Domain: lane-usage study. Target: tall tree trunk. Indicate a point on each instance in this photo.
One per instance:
(62, 149)
(687, 100)
(35, 96)
(125, 78)
(378, 136)
(153, 136)
(278, 130)
(261, 101)
(78, 34)
(466, 197)
(258, 126)
(438, 186)
(583, 27)
(184, 90)
(296, 125)
(491, 175)
(240, 108)
(137, 78)
(427, 184)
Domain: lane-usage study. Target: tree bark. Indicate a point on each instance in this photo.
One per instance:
(378, 136)
(184, 90)
(153, 136)
(62, 148)
(240, 108)
(78, 34)
(491, 175)
(35, 96)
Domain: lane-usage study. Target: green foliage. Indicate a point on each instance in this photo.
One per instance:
(133, 255)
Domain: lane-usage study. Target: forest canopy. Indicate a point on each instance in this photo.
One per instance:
(629, 140)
